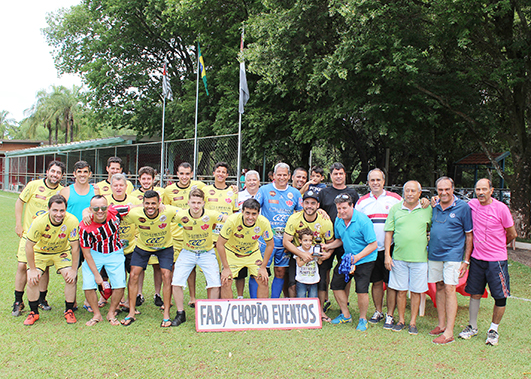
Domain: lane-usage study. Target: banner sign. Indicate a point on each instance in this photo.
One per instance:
(256, 314)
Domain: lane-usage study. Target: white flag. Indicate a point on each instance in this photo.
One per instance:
(166, 88)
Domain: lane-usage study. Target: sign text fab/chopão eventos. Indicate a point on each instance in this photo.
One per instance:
(248, 314)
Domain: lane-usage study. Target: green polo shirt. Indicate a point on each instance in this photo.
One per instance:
(410, 232)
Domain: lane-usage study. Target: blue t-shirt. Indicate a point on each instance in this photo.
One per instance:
(277, 205)
(448, 228)
(77, 203)
(316, 187)
(357, 235)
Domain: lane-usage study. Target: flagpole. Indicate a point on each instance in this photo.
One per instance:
(161, 184)
(238, 173)
(196, 107)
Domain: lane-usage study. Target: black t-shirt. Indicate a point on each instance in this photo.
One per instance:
(328, 195)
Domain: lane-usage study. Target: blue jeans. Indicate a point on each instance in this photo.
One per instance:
(306, 290)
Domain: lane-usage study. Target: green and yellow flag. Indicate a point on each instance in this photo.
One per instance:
(202, 68)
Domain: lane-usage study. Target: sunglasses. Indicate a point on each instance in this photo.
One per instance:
(97, 209)
(343, 196)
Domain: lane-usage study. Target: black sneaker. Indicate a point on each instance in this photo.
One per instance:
(140, 300)
(45, 306)
(180, 317)
(158, 300)
(326, 306)
(17, 308)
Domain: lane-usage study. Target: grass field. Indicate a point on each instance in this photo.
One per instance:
(53, 349)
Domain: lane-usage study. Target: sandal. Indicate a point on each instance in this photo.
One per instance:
(128, 321)
(126, 310)
(326, 319)
(88, 308)
(92, 322)
(101, 304)
(166, 323)
(113, 321)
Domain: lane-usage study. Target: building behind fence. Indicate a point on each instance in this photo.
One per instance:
(18, 168)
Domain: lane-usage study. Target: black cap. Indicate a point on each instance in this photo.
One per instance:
(311, 195)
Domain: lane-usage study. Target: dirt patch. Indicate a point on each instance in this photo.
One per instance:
(520, 256)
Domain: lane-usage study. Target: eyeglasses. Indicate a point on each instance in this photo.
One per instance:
(343, 196)
(97, 209)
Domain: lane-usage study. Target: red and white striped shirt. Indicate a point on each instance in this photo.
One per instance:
(104, 238)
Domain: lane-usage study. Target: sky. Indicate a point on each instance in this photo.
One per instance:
(26, 65)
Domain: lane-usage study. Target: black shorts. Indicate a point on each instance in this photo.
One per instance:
(338, 254)
(323, 271)
(379, 272)
(495, 273)
(128, 258)
(242, 274)
(141, 257)
(362, 277)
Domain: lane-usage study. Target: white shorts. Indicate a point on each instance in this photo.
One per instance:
(447, 272)
(409, 276)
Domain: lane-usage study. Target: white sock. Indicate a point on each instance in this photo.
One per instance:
(240, 297)
(388, 318)
(493, 326)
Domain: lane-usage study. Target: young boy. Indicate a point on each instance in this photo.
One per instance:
(307, 274)
(314, 184)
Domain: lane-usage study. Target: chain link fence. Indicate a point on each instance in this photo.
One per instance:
(17, 171)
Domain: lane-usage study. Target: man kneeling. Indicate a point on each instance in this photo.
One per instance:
(238, 248)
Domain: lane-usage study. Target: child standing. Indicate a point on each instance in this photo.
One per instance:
(307, 274)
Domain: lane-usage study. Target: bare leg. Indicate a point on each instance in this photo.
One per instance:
(141, 277)
(262, 292)
(116, 297)
(166, 280)
(92, 298)
(133, 289)
(401, 300)
(191, 286)
(363, 304)
(157, 278)
(440, 297)
(20, 277)
(391, 301)
(415, 303)
(214, 293)
(45, 279)
(178, 295)
(451, 309)
(497, 314)
(226, 289)
(342, 300)
(240, 286)
(377, 295)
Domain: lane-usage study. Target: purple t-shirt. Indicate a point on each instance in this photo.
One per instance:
(490, 222)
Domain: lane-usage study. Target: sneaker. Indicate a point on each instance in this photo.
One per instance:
(468, 332)
(362, 325)
(389, 322)
(492, 337)
(32, 317)
(45, 306)
(413, 330)
(341, 320)
(180, 317)
(398, 327)
(17, 308)
(157, 300)
(376, 317)
(70, 317)
(437, 331)
(140, 299)
(326, 306)
(442, 340)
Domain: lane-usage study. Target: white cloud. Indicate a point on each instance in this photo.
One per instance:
(27, 65)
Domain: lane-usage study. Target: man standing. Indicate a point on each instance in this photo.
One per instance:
(278, 201)
(52, 239)
(154, 237)
(353, 231)
(197, 224)
(493, 230)
(220, 196)
(146, 177)
(78, 195)
(114, 166)
(177, 195)
(238, 248)
(327, 197)
(408, 223)
(32, 202)
(376, 205)
(300, 177)
(321, 228)
(450, 244)
(102, 247)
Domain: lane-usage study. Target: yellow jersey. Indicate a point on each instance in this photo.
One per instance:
(320, 227)
(153, 233)
(35, 196)
(105, 187)
(224, 201)
(127, 231)
(177, 196)
(198, 231)
(50, 238)
(243, 239)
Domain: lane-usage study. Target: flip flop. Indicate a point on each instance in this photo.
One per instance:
(88, 308)
(191, 305)
(126, 310)
(166, 323)
(101, 304)
(128, 321)
(326, 319)
(113, 321)
(92, 322)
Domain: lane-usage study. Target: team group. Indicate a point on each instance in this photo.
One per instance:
(298, 229)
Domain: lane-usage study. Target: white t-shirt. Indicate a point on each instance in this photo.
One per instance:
(308, 273)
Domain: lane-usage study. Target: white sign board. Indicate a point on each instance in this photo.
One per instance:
(256, 314)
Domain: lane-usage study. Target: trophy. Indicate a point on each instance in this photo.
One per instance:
(317, 250)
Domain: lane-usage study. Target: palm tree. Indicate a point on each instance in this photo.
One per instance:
(6, 124)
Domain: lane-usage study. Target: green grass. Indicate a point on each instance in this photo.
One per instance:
(51, 348)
